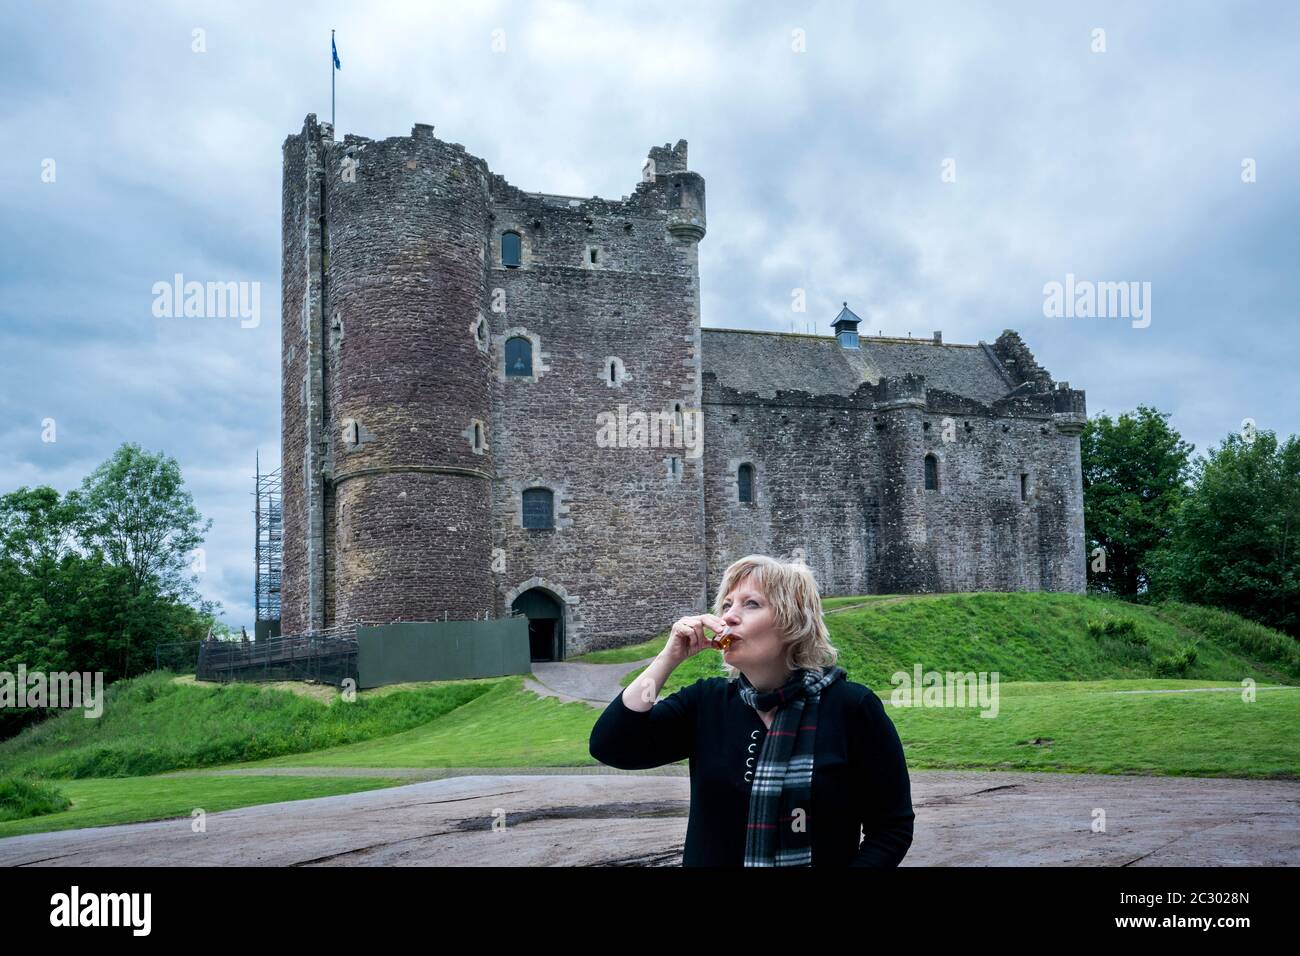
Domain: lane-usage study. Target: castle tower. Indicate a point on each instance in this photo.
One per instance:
(451, 345)
(905, 564)
(391, 511)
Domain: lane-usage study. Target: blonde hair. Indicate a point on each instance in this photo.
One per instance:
(791, 590)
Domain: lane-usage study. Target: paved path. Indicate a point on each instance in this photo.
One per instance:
(594, 684)
(560, 818)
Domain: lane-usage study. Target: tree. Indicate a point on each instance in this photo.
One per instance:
(38, 526)
(1235, 539)
(139, 513)
(1135, 470)
(90, 580)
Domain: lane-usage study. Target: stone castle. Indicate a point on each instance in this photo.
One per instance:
(468, 374)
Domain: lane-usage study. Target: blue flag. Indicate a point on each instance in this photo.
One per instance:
(335, 51)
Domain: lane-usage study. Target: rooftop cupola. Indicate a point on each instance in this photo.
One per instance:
(846, 328)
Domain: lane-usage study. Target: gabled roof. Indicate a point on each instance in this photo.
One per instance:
(763, 363)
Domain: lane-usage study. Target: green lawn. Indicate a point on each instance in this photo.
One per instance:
(506, 727)
(1105, 727)
(1096, 726)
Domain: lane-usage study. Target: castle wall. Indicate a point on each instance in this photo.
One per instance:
(817, 488)
(841, 481)
(625, 555)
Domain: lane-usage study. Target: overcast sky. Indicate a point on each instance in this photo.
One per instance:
(934, 164)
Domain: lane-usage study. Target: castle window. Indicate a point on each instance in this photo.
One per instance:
(745, 483)
(539, 511)
(614, 372)
(476, 440)
(1024, 487)
(511, 249)
(593, 255)
(519, 356)
(931, 473)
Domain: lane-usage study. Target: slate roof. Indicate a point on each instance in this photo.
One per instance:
(763, 362)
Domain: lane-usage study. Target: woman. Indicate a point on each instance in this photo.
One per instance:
(791, 763)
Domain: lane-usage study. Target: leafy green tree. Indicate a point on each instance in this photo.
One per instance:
(90, 580)
(138, 511)
(38, 526)
(1135, 470)
(1235, 539)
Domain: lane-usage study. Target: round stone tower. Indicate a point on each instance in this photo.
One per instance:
(407, 380)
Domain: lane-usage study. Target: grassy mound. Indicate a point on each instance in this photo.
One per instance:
(152, 724)
(1032, 636)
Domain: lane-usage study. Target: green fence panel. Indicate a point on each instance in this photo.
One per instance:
(441, 650)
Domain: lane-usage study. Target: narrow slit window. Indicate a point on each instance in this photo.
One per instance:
(745, 482)
(931, 473)
(1024, 487)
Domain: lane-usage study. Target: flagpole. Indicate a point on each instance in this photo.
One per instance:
(331, 83)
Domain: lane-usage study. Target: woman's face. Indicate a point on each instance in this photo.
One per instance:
(755, 640)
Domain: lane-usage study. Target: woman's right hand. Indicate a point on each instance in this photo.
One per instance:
(686, 639)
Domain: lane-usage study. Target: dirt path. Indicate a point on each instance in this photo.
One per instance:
(562, 818)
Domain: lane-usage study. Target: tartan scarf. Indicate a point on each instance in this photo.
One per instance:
(782, 780)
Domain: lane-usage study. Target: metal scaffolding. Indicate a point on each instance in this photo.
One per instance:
(269, 545)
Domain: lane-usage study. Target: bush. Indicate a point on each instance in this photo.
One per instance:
(1248, 637)
(1178, 663)
(21, 799)
(1124, 628)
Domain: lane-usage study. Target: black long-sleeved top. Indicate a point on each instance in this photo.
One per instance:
(860, 787)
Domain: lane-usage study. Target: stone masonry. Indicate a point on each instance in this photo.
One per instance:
(411, 273)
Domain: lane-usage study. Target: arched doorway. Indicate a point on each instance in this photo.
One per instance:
(545, 624)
